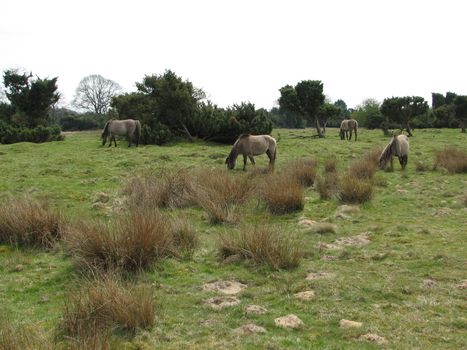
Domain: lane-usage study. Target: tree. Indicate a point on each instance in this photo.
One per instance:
(328, 113)
(94, 93)
(344, 112)
(304, 99)
(460, 104)
(401, 109)
(175, 100)
(437, 100)
(368, 114)
(31, 98)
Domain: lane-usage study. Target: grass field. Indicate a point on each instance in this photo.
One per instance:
(405, 285)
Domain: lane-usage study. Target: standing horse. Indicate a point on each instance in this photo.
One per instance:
(347, 126)
(126, 127)
(399, 146)
(252, 145)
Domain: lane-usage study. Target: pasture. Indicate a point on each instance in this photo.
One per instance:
(405, 284)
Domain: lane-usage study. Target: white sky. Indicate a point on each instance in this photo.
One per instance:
(244, 50)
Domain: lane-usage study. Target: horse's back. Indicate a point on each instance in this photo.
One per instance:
(255, 144)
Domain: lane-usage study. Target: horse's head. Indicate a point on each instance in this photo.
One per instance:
(342, 134)
(230, 161)
(104, 138)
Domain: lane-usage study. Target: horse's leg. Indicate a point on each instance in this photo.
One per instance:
(115, 141)
(244, 162)
(403, 161)
(129, 141)
(271, 159)
(350, 133)
(110, 140)
(252, 160)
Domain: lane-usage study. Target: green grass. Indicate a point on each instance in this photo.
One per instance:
(416, 222)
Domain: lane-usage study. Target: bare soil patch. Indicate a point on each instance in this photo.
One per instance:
(255, 310)
(374, 338)
(248, 329)
(319, 275)
(224, 287)
(219, 303)
(305, 296)
(288, 322)
(350, 324)
(358, 240)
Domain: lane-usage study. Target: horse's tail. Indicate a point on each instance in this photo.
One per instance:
(105, 132)
(387, 153)
(138, 132)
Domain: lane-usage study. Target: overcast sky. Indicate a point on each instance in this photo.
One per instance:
(244, 50)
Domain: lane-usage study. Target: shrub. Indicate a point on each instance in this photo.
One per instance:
(453, 159)
(170, 189)
(10, 134)
(303, 171)
(263, 245)
(28, 222)
(220, 194)
(355, 190)
(282, 195)
(105, 304)
(421, 167)
(134, 242)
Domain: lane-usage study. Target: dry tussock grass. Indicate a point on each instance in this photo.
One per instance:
(327, 185)
(220, 194)
(453, 159)
(330, 165)
(355, 190)
(23, 338)
(169, 189)
(282, 194)
(303, 171)
(135, 241)
(106, 304)
(28, 222)
(263, 245)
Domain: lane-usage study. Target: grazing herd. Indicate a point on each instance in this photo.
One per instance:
(254, 145)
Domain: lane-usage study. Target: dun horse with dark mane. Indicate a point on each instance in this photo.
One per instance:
(127, 127)
(347, 126)
(399, 146)
(252, 145)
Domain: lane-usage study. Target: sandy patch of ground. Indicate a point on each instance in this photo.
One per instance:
(319, 275)
(358, 240)
(305, 296)
(349, 324)
(224, 287)
(371, 337)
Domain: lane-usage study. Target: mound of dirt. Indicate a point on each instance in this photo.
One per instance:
(248, 329)
(288, 322)
(349, 324)
(224, 287)
(305, 296)
(219, 303)
(358, 240)
(255, 310)
(371, 337)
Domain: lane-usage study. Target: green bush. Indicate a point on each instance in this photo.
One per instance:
(10, 134)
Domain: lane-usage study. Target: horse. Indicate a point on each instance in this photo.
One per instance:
(347, 126)
(399, 146)
(126, 127)
(252, 145)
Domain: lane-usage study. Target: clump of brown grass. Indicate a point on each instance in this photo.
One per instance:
(421, 167)
(28, 222)
(105, 304)
(327, 185)
(330, 165)
(282, 194)
(363, 169)
(21, 338)
(185, 238)
(323, 228)
(303, 171)
(263, 245)
(169, 189)
(355, 190)
(220, 194)
(453, 159)
(135, 241)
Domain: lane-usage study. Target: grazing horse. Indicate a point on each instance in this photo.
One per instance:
(126, 127)
(347, 126)
(399, 146)
(252, 145)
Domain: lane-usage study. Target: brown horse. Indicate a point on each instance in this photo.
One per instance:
(126, 127)
(252, 145)
(347, 126)
(398, 146)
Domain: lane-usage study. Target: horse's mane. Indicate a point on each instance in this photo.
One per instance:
(387, 153)
(243, 136)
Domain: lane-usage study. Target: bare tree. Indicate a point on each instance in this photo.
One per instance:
(94, 93)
